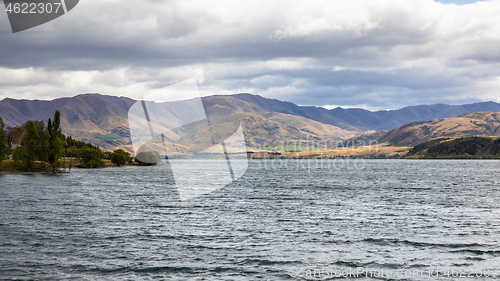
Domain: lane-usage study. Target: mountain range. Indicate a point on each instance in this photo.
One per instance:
(103, 120)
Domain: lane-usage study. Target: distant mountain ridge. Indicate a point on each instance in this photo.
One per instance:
(90, 116)
(358, 119)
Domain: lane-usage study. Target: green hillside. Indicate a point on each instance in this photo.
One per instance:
(462, 148)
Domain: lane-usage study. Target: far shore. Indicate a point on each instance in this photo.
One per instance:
(66, 171)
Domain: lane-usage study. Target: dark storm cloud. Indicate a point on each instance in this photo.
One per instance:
(374, 53)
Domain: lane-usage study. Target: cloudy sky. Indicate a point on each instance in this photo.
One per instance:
(375, 54)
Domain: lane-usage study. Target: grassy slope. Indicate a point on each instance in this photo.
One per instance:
(471, 124)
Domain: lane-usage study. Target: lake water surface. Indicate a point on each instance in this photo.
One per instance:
(283, 220)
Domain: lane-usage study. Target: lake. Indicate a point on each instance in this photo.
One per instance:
(282, 220)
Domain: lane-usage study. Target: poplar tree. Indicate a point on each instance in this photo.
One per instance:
(55, 140)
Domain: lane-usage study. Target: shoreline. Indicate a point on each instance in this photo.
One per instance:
(2, 172)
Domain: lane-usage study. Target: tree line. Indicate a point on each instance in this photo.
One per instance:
(35, 146)
(461, 148)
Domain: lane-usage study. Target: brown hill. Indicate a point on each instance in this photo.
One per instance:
(85, 117)
(471, 124)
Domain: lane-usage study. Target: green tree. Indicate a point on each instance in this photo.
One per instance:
(4, 145)
(44, 146)
(16, 154)
(90, 157)
(107, 155)
(30, 149)
(120, 157)
(55, 141)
